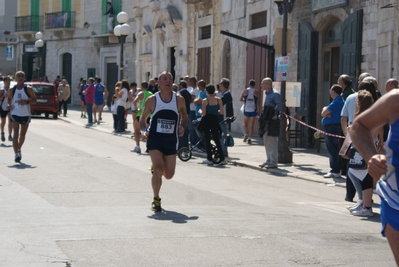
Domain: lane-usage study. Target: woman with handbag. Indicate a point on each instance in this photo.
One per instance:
(212, 107)
(358, 167)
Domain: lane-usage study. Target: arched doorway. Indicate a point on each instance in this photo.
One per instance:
(67, 71)
(330, 56)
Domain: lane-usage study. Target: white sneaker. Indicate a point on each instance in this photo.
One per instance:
(137, 149)
(363, 212)
(208, 162)
(358, 206)
(223, 162)
(332, 175)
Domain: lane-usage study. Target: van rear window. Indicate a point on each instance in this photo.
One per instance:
(43, 89)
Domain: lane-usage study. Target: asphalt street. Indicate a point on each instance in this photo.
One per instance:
(81, 198)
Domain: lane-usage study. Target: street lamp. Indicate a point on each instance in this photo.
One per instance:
(121, 31)
(39, 44)
(284, 153)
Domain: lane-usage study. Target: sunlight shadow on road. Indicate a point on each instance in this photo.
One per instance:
(22, 166)
(173, 216)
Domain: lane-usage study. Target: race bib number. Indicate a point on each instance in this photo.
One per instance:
(250, 105)
(165, 126)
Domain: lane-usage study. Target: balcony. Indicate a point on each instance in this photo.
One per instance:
(60, 22)
(27, 26)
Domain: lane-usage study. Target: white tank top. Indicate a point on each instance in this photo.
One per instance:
(17, 109)
(5, 101)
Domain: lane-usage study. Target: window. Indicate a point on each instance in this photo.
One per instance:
(258, 20)
(205, 32)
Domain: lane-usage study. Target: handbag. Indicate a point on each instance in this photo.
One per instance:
(356, 161)
(346, 146)
(229, 141)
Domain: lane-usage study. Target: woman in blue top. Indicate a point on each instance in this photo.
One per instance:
(211, 108)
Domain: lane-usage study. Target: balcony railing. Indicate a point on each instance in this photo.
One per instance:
(60, 20)
(28, 24)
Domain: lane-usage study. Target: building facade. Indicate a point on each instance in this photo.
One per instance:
(330, 38)
(8, 39)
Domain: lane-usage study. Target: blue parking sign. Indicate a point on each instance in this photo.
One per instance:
(9, 52)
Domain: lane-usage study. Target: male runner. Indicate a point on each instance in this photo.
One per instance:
(4, 112)
(19, 99)
(138, 107)
(168, 121)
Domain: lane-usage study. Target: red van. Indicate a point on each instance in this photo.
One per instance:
(47, 99)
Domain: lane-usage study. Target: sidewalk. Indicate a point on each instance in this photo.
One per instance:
(307, 163)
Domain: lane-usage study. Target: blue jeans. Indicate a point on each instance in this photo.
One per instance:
(223, 126)
(89, 110)
(194, 138)
(357, 184)
(183, 140)
(333, 147)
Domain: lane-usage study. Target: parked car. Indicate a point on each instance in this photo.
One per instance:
(47, 99)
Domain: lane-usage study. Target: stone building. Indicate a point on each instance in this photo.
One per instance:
(330, 38)
(8, 39)
(182, 36)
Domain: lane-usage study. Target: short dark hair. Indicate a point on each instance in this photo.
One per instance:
(369, 87)
(109, 3)
(125, 84)
(98, 79)
(156, 78)
(225, 82)
(337, 89)
(193, 80)
(144, 85)
(202, 83)
(210, 89)
(252, 82)
(133, 84)
(183, 83)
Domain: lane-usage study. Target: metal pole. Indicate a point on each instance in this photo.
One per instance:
(122, 41)
(284, 153)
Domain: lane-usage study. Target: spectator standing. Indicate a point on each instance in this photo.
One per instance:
(122, 97)
(83, 86)
(182, 91)
(194, 91)
(114, 108)
(273, 99)
(345, 82)
(227, 100)
(57, 81)
(110, 12)
(89, 99)
(382, 167)
(209, 125)
(250, 98)
(331, 121)
(64, 92)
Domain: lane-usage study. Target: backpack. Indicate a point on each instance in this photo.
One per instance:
(229, 140)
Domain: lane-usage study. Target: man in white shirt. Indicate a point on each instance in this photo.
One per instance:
(194, 91)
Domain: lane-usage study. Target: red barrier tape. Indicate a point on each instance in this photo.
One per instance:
(314, 128)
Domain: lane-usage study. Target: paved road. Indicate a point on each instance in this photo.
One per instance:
(81, 198)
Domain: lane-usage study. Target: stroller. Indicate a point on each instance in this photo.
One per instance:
(185, 153)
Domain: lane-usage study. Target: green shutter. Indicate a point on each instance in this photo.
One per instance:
(67, 7)
(117, 8)
(35, 12)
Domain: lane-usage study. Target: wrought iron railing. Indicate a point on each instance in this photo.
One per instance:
(28, 23)
(60, 20)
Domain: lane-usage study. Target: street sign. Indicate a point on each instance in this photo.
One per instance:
(9, 52)
(292, 93)
(281, 69)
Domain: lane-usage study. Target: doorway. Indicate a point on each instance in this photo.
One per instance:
(331, 59)
(67, 71)
(112, 79)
